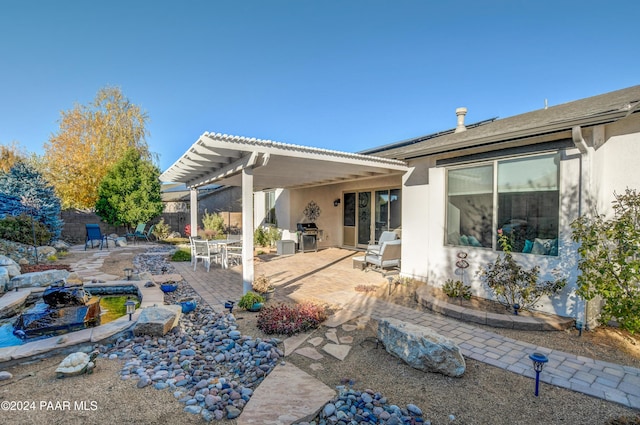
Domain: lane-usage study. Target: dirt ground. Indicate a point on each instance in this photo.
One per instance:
(484, 395)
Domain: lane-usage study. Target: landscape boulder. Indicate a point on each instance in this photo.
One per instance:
(421, 347)
(157, 321)
(12, 268)
(37, 279)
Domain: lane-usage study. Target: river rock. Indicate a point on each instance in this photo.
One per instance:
(421, 347)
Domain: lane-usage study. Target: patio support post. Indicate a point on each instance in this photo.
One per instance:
(247, 229)
(193, 202)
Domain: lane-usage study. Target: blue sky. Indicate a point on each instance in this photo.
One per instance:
(346, 75)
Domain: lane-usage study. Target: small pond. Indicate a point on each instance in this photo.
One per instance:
(111, 306)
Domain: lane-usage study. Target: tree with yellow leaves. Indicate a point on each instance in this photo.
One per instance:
(91, 139)
(9, 155)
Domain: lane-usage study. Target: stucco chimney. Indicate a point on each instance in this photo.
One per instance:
(461, 112)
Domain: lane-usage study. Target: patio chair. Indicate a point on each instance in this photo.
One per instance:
(204, 251)
(388, 256)
(384, 237)
(95, 234)
(138, 232)
(145, 235)
(193, 249)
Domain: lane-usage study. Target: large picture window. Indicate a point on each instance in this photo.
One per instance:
(523, 198)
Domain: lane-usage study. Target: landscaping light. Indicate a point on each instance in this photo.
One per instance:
(229, 305)
(127, 273)
(390, 279)
(516, 307)
(539, 360)
(131, 307)
(579, 327)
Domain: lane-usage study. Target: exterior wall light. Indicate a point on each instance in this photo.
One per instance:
(336, 202)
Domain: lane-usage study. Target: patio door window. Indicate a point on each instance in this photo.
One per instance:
(367, 214)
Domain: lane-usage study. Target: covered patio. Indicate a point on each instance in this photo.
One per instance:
(255, 165)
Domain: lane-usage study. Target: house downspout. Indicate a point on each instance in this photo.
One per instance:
(585, 191)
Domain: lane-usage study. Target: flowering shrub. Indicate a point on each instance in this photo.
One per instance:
(288, 320)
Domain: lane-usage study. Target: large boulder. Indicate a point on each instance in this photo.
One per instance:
(157, 321)
(37, 279)
(12, 268)
(421, 347)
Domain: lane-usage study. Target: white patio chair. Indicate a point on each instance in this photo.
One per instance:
(205, 252)
(386, 236)
(388, 256)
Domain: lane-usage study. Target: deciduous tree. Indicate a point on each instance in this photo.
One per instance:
(9, 155)
(91, 139)
(130, 191)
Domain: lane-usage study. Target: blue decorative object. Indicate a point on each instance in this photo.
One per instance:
(539, 360)
(188, 305)
(229, 305)
(256, 307)
(168, 287)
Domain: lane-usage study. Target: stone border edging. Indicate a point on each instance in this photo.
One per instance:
(527, 323)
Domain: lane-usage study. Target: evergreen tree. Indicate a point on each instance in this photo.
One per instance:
(130, 192)
(23, 190)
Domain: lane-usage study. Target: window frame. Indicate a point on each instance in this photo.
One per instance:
(494, 163)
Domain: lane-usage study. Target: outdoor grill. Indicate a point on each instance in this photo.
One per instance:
(308, 236)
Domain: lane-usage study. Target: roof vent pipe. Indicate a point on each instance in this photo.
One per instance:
(460, 112)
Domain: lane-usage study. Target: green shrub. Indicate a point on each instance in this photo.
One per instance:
(610, 261)
(287, 319)
(213, 225)
(260, 237)
(249, 299)
(20, 229)
(181, 255)
(512, 284)
(161, 230)
(457, 289)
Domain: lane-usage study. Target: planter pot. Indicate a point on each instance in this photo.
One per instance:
(168, 287)
(269, 294)
(256, 307)
(188, 305)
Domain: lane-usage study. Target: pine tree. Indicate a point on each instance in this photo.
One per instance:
(130, 192)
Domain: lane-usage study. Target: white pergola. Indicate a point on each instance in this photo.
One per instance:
(256, 164)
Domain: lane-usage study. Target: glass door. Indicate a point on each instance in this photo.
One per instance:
(364, 218)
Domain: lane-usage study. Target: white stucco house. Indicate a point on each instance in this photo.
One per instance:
(530, 175)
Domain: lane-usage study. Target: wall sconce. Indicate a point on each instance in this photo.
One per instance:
(539, 360)
(127, 273)
(336, 202)
(131, 307)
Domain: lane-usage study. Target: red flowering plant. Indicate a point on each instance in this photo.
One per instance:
(286, 319)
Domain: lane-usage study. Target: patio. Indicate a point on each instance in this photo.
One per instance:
(327, 275)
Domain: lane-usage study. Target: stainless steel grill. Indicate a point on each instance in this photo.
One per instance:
(308, 237)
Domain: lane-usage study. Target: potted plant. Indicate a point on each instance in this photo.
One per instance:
(251, 301)
(262, 285)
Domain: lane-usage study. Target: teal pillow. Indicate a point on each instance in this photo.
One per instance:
(554, 247)
(528, 246)
(464, 240)
(473, 241)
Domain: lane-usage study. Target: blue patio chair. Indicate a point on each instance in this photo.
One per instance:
(138, 233)
(95, 234)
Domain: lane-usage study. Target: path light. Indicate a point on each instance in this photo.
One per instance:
(127, 273)
(131, 307)
(579, 327)
(229, 305)
(538, 360)
(390, 279)
(516, 307)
